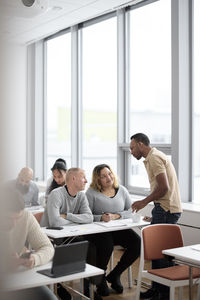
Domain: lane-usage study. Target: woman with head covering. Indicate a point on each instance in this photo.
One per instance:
(110, 201)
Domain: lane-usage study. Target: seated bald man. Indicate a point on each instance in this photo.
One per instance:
(68, 204)
(27, 187)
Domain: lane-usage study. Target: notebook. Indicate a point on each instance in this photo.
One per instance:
(68, 259)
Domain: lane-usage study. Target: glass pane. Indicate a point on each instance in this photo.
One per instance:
(196, 101)
(150, 71)
(150, 79)
(58, 100)
(99, 94)
(138, 173)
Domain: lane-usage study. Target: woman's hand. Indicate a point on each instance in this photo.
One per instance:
(64, 216)
(28, 262)
(106, 217)
(20, 261)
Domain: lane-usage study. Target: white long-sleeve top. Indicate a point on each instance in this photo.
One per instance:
(28, 230)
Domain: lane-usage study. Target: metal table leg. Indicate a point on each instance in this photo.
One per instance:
(190, 283)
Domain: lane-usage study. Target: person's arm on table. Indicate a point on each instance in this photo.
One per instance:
(43, 250)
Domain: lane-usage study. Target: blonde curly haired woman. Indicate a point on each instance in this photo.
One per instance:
(110, 201)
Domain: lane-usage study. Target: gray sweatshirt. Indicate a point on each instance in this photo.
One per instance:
(119, 204)
(31, 197)
(60, 202)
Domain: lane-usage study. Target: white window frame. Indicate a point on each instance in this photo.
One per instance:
(181, 146)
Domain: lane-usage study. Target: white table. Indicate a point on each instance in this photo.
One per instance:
(186, 255)
(69, 232)
(29, 278)
(73, 230)
(35, 209)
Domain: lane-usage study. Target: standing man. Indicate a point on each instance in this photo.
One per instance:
(27, 187)
(68, 203)
(164, 193)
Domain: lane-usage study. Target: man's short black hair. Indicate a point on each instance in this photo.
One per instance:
(141, 137)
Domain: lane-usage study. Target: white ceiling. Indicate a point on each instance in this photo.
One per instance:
(19, 24)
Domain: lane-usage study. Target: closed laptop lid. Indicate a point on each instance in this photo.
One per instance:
(69, 258)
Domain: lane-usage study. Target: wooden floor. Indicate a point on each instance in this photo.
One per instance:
(129, 293)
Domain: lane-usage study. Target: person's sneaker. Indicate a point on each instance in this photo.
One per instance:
(164, 296)
(115, 283)
(102, 288)
(87, 291)
(158, 296)
(63, 293)
(148, 294)
(97, 296)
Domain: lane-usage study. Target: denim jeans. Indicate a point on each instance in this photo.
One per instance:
(160, 216)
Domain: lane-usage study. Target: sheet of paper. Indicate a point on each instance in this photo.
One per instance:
(115, 223)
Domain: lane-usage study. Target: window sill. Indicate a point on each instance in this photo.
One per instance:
(187, 206)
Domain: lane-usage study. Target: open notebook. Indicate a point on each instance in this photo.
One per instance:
(68, 259)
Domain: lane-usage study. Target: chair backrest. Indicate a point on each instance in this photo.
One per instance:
(38, 216)
(158, 237)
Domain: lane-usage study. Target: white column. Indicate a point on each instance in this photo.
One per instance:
(12, 109)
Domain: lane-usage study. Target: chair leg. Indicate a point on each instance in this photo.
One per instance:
(137, 297)
(111, 261)
(198, 292)
(180, 293)
(172, 291)
(130, 278)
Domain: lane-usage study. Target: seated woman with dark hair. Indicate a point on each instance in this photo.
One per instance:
(59, 171)
(110, 201)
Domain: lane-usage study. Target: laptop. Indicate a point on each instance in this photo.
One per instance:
(68, 259)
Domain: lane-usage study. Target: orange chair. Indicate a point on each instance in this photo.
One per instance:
(154, 239)
(38, 216)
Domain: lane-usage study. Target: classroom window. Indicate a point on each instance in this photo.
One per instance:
(58, 100)
(150, 80)
(99, 94)
(196, 116)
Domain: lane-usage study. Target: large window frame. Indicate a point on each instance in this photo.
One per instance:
(65, 102)
(181, 145)
(124, 145)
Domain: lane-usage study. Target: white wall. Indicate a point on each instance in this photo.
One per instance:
(12, 109)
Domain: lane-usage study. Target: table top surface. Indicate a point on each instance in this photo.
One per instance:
(29, 278)
(187, 254)
(35, 209)
(95, 227)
